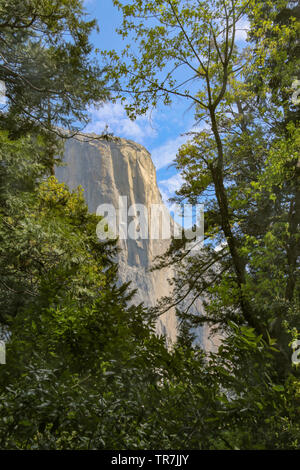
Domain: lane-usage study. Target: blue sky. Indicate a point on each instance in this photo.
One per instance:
(161, 130)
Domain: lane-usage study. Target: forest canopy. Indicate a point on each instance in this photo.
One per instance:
(84, 368)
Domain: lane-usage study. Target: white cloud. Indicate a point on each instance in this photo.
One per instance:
(172, 184)
(168, 187)
(166, 153)
(167, 190)
(242, 28)
(114, 116)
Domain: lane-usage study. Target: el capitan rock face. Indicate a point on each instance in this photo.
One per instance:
(108, 169)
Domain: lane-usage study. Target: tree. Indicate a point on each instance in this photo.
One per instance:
(86, 370)
(189, 49)
(48, 67)
(47, 64)
(243, 165)
(77, 353)
(80, 359)
(189, 33)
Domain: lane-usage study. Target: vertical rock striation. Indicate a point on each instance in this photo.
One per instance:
(108, 169)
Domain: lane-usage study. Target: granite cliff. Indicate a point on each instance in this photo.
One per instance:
(108, 169)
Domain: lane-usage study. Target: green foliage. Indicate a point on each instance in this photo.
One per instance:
(85, 369)
(47, 65)
(75, 350)
(244, 166)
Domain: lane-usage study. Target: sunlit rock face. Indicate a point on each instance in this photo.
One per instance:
(108, 169)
